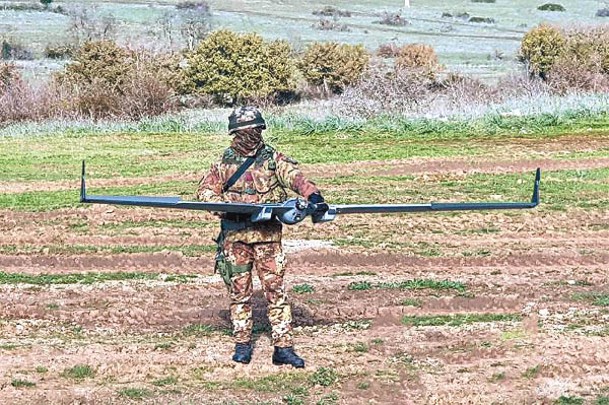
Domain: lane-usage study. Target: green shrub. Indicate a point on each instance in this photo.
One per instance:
(551, 7)
(240, 67)
(100, 61)
(541, 47)
(333, 66)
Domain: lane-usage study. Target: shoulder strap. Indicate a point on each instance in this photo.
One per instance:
(237, 175)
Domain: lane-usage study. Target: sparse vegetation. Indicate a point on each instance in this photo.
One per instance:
(84, 278)
(458, 320)
(532, 372)
(415, 284)
(596, 298)
(411, 302)
(79, 372)
(198, 329)
(303, 289)
(324, 376)
(19, 383)
(565, 400)
(135, 393)
(163, 382)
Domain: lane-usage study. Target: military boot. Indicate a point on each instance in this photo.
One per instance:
(243, 353)
(286, 355)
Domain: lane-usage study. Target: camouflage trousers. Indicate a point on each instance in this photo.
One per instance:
(269, 261)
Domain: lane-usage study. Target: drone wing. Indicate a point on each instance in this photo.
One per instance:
(397, 208)
(258, 212)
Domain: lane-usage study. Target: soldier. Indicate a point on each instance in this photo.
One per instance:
(252, 172)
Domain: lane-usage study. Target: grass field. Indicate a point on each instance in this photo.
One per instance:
(485, 50)
(114, 305)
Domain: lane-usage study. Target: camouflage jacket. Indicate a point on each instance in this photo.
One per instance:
(266, 181)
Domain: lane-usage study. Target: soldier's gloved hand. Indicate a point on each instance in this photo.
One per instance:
(320, 203)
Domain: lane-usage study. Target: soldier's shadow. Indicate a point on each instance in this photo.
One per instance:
(301, 315)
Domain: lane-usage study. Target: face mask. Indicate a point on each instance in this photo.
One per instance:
(247, 141)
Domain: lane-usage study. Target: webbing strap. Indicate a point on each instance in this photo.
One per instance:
(246, 165)
(239, 268)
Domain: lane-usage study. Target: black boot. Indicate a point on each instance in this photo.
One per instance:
(243, 353)
(286, 355)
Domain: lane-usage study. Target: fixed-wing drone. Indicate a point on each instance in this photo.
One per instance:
(296, 210)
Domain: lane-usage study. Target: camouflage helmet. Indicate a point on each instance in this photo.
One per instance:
(245, 117)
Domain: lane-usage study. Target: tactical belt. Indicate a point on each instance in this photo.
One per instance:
(246, 165)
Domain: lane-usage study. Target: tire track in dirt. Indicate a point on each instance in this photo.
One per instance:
(307, 263)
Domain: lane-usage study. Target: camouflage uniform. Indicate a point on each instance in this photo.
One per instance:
(245, 244)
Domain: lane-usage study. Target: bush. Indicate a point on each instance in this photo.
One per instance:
(17, 101)
(333, 66)
(603, 12)
(390, 50)
(59, 51)
(101, 61)
(551, 7)
(584, 64)
(393, 19)
(414, 56)
(330, 25)
(541, 47)
(9, 77)
(329, 11)
(484, 20)
(14, 50)
(105, 80)
(236, 68)
(400, 91)
(463, 90)
(193, 5)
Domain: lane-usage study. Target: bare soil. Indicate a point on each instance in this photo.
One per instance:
(169, 341)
